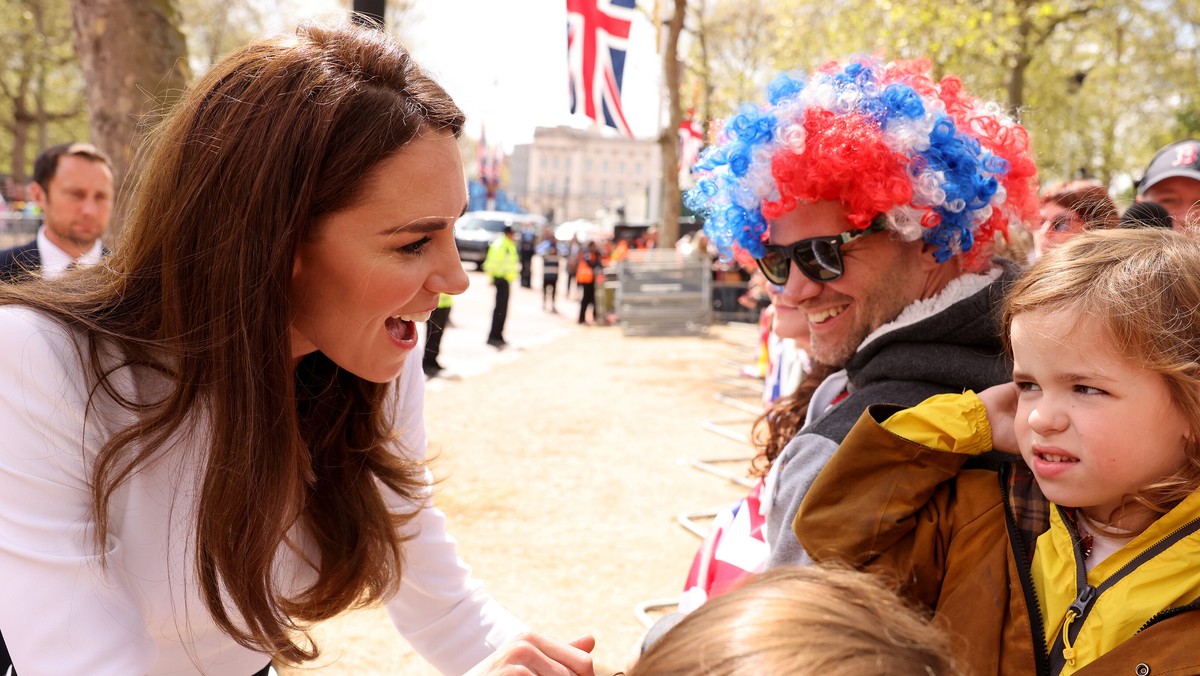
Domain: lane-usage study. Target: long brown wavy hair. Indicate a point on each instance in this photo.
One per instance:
(276, 136)
(783, 419)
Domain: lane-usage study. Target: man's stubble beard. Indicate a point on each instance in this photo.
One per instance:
(888, 303)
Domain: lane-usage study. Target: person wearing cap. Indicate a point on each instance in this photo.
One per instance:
(1172, 179)
(73, 186)
(870, 195)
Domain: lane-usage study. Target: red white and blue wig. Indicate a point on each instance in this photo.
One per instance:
(879, 138)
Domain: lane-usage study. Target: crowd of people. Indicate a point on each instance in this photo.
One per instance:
(980, 453)
(911, 261)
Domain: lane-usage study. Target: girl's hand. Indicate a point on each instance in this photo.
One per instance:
(1001, 403)
(534, 654)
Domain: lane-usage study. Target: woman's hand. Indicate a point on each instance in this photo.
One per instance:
(1001, 404)
(537, 655)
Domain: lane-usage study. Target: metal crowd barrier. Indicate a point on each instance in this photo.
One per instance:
(17, 228)
(726, 307)
(661, 293)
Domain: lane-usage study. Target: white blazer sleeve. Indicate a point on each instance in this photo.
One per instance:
(59, 612)
(440, 609)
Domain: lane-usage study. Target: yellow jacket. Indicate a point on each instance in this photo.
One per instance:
(502, 260)
(896, 499)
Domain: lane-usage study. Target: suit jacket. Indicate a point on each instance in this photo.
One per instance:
(20, 263)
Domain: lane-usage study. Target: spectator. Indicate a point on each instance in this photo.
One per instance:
(501, 266)
(1146, 215)
(587, 273)
(1105, 409)
(871, 193)
(574, 248)
(434, 327)
(552, 254)
(1172, 179)
(1069, 208)
(216, 440)
(526, 248)
(73, 186)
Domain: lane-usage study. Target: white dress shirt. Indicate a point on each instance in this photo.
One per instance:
(55, 261)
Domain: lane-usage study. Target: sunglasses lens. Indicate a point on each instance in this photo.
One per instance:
(775, 265)
(820, 260)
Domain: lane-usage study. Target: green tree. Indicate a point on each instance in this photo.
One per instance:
(1099, 84)
(215, 28)
(40, 101)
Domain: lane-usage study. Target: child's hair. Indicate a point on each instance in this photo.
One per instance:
(1142, 287)
(809, 620)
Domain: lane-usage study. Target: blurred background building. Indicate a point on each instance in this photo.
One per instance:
(568, 173)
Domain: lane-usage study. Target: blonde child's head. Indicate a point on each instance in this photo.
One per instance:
(1138, 290)
(808, 620)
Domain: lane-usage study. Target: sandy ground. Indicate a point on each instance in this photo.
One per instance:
(560, 471)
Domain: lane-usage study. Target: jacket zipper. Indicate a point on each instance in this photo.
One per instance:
(1085, 600)
(1168, 614)
(1036, 623)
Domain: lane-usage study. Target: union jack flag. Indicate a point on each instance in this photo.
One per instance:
(597, 36)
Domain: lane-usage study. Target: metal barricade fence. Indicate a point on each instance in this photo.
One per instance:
(726, 307)
(661, 293)
(17, 228)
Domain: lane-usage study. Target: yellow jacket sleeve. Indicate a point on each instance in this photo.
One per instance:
(955, 423)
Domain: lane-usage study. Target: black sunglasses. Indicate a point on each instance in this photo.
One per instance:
(819, 258)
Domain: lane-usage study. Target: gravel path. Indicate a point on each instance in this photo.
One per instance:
(561, 477)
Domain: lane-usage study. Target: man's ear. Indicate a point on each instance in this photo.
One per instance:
(38, 195)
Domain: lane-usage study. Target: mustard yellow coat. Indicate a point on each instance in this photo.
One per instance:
(949, 537)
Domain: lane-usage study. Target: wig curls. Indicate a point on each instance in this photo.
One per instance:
(879, 138)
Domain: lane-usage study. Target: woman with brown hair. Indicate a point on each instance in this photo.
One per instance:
(1069, 208)
(215, 439)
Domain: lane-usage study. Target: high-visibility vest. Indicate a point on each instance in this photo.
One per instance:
(502, 260)
(584, 273)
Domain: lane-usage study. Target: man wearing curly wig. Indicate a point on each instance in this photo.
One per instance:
(871, 196)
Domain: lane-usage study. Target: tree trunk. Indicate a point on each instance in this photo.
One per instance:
(20, 158)
(1020, 60)
(22, 117)
(669, 139)
(134, 63)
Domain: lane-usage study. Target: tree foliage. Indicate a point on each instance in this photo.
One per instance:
(41, 100)
(1100, 84)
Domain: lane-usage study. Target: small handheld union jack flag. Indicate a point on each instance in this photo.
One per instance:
(597, 37)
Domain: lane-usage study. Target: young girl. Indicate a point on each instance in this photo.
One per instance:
(1105, 411)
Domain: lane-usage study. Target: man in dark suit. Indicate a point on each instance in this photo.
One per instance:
(73, 186)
